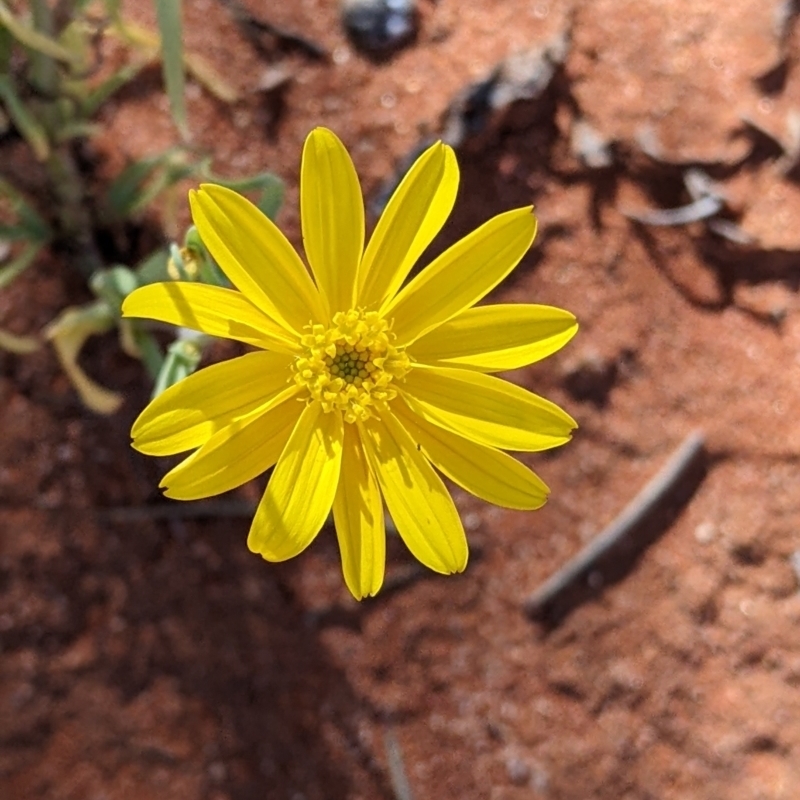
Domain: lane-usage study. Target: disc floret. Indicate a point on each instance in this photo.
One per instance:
(350, 366)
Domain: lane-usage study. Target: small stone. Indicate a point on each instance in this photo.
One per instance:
(590, 146)
(472, 521)
(379, 27)
(519, 773)
(794, 561)
(274, 77)
(705, 532)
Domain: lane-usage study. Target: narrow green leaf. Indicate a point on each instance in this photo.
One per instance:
(114, 284)
(68, 333)
(271, 200)
(33, 133)
(19, 264)
(182, 359)
(209, 271)
(6, 45)
(32, 38)
(29, 225)
(76, 130)
(153, 269)
(141, 182)
(13, 233)
(94, 99)
(124, 194)
(149, 350)
(174, 168)
(170, 28)
(270, 186)
(21, 345)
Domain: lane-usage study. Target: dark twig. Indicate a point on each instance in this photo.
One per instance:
(632, 517)
(397, 770)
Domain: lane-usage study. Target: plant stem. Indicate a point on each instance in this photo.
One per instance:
(73, 220)
(44, 70)
(74, 224)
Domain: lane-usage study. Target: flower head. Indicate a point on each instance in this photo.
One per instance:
(362, 384)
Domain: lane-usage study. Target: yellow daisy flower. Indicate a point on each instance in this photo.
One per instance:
(361, 383)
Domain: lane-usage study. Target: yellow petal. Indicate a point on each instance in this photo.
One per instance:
(209, 309)
(486, 409)
(236, 454)
(332, 216)
(189, 413)
(300, 492)
(423, 511)
(462, 275)
(256, 256)
(358, 515)
(483, 471)
(497, 337)
(414, 215)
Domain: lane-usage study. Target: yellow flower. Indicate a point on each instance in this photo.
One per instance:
(361, 383)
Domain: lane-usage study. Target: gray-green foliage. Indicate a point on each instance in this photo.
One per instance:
(49, 96)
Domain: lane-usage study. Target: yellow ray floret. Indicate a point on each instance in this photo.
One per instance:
(362, 385)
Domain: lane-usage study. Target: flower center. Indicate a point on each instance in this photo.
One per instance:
(351, 365)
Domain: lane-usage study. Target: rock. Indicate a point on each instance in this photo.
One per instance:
(589, 146)
(519, 772)
(379, 27)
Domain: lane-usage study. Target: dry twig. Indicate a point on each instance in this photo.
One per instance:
(659, 487)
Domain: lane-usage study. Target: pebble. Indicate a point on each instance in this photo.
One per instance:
(590, 146)
(519, 773)
(705, 532)
(379, 27)
(794, 560)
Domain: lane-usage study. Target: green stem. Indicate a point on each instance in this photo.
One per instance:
(74, 228)
(74, 224)
(44, 70)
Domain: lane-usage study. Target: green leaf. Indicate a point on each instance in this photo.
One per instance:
(19, 264)
(114, 285)
(29, 225)
(169, 26)
(123, 194)
(270, 186)
(183, 356)
(68, 333)
(271, 198)
(6, 45)
(33, 133)
(209, 271)
(153, 269)
(92, 101)
(32, 39)
(149, 351)
(174, 168)
(142, 181)
(21, 345)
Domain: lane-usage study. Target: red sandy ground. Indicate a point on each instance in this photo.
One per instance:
(159, 659)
